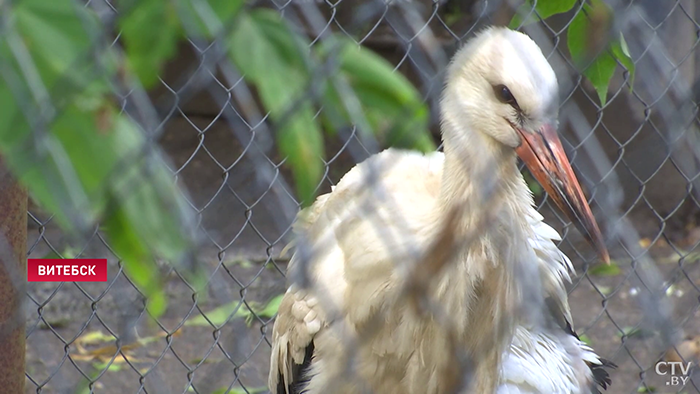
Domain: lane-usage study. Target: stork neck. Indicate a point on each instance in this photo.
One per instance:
(478, 171)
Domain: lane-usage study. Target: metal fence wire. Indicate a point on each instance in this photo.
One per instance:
(637, 156)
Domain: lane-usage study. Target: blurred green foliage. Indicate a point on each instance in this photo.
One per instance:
(64, 135)
(591, 50)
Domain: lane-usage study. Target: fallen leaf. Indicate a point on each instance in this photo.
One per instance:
(611, 269)
(108, 351)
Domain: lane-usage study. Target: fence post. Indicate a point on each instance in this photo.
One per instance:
(13, 267)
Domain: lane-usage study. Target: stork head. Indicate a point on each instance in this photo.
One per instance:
(502, 94)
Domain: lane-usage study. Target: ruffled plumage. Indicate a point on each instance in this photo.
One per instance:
(545, 359)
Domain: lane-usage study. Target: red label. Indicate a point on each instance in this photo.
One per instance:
(67, 270)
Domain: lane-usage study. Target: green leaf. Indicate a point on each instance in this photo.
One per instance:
(271, 308)
(220, 315)
(622, 54)
(95, 337)
(544, 9)
(208, 18)
(390, 104)
(283, 91)
(532, 183)
(598, 68)
(291, 47)
(629, 331)
(647, 389)
(254, 390)
(52, 40)
(635, 332)
(604, 290)
(114, 367)
(691, 257)
(224, 313)
(136, 256)
(225, 390)
(611, 269)
(150, 30)
(453, 17)
(147, 217)
(585, 339)
(58, 36)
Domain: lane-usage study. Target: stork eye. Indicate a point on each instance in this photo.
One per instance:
(505, 96)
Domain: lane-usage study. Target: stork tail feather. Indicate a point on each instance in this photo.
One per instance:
(300, 375)
(601, 377)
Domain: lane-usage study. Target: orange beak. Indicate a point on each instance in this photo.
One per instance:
(544, 156)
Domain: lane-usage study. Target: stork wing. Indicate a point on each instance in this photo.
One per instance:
(344, 241)
(299, 319)
(292, 342)
(552, 359)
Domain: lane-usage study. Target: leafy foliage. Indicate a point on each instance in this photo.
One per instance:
(150, 33)
(283, 70)
(597, 62)
(281, 87)
(82, 159)
(87, 162)
(543, 9)
(389, 102)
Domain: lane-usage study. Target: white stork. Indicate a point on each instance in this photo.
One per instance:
(499, 102)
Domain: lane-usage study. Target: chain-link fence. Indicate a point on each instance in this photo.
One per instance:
(636, 155)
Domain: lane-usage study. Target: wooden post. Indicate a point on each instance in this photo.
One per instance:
(13, 276)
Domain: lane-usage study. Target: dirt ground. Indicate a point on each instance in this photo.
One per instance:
(618, 319)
